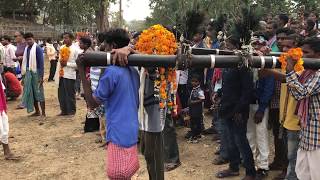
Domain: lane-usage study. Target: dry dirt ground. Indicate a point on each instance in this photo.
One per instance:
(58, 149)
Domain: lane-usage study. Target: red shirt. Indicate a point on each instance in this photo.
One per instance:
(12, 83)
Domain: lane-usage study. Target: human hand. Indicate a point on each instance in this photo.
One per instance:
(120, 56)
(290, 65)
(40, 81)
(80, 60)
(258, 117)
(63, 64)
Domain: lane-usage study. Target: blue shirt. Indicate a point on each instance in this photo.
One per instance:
(40, 60)
(118, 91)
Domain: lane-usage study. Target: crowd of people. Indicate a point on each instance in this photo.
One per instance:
(121, 103)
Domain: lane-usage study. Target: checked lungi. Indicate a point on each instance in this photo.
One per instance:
(122, 163)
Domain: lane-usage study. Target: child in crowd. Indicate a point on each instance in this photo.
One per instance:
(196, 108)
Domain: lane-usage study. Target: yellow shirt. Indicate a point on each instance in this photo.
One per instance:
(291, 121)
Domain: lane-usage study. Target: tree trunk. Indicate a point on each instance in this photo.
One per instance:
(100, 14)
(106, 16)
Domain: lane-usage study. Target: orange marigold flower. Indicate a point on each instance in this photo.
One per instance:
(296, 55)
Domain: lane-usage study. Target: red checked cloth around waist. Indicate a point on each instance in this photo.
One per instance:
(122, 163)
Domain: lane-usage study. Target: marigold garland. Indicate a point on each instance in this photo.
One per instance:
(158, 40)
(64, 57)
(296, 55)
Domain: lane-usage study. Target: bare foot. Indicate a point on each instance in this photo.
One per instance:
(11, 157)
(20, 106)
(35, 114)
(104, 145)
(98, 140)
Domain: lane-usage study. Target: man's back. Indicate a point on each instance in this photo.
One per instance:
(12, 83)
(237, 88)
(118, 90)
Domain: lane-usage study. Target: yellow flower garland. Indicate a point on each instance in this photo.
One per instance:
(158, 40)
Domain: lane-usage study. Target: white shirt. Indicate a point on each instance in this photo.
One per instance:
(183, 77)
(70, 69)
(2, 53)
(9, 55)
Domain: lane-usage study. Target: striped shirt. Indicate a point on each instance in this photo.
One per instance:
(95, 73)
(310, 134)
(275, 100)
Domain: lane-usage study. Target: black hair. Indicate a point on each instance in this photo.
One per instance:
(284, 18)
(119, 37)
(313, 42)
(86, 41)
(260, 34)
(21, 33)
(28, 35)
(286, 31)
(196, 77)
(310, 24)
(317, 15)
(71, 36)
(297, 38)
(100, 37)
(5, 37)
(137, 34)
(274, 25)
(49, 40)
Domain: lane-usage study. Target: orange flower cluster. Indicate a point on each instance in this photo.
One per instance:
(81, 34)
(296, 55)
(157, 40)
(64, 57)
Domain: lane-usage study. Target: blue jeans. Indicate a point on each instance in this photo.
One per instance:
(238, 144)
(223, 132)
(293, 145)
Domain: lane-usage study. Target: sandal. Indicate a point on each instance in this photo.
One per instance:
(227, 173)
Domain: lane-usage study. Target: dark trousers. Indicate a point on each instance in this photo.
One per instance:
(238, 144)
(10, 69)
(280, 143)
(196, 125)
(53, 67)
(223, 132)
(66, 96)
(151, 145)
(78, 83)
(183, 95)
(171, 149)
